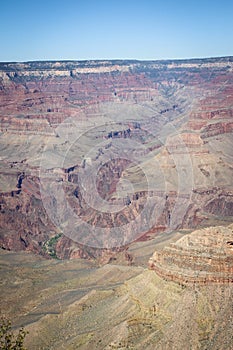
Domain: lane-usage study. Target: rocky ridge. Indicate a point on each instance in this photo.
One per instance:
(204, 256)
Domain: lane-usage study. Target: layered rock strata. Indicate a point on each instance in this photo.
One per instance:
(172, 118)
(204, 256)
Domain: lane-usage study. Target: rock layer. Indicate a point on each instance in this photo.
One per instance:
(204, 256)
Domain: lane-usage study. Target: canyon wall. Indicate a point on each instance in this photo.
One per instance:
(158, 133)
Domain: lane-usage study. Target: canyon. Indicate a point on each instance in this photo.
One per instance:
(151, 141)
(116, 203)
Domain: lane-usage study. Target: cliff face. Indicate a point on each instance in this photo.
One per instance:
(204, 256)
(155, 139)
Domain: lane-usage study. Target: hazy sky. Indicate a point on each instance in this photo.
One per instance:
(105, 29)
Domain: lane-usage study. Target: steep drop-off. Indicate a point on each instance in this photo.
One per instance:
(158, 135)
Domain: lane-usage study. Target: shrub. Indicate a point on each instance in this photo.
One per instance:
(9, 341)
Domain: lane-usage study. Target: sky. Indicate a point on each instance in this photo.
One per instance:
(115, 29)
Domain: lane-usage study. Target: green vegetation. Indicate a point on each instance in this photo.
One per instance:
(9, 341)
(50, 245)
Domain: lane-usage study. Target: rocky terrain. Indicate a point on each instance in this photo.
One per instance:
(108, 168)
(203, 257)
(79, 304)
(98, 154)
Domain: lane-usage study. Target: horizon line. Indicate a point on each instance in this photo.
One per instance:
(120, 59)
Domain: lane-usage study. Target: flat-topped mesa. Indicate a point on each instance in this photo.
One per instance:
(204, 256)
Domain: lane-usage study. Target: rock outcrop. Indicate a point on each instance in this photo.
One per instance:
(202, 257)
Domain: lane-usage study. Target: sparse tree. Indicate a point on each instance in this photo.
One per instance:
(9, 341)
